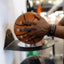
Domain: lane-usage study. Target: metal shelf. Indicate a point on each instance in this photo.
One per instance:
(11, 44)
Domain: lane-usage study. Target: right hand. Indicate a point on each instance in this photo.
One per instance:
(37, 29)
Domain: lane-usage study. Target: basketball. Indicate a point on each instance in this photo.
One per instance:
(29, 16)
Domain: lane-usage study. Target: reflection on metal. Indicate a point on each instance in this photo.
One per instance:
(14, 46)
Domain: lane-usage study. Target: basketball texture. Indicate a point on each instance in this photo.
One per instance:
(18, 25)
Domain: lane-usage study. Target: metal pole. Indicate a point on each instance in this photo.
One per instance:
(53, 47)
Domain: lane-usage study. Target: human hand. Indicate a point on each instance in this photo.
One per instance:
(36, 29)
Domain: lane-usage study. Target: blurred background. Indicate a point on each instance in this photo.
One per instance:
(51, 10)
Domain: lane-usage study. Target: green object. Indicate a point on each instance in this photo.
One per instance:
(32, 53)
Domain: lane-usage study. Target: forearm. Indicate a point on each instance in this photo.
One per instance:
(61, 23)
(59, 32)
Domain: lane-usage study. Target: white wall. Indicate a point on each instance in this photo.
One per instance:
(3, 22)
(9, 11)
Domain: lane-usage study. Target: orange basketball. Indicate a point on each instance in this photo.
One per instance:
(18, 24)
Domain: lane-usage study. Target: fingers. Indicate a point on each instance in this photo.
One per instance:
(30, 39)
(37, 16)
(27, 28)
(28, 23)
(29, 34)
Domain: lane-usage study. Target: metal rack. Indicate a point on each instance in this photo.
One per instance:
(12, 44)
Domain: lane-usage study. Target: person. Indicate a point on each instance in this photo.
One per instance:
(42, 28)
(37, 59)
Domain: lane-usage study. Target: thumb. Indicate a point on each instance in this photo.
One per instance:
(37, 16)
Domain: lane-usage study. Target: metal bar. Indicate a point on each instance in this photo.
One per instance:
(14, 46)
(53, 47)
(53, 50)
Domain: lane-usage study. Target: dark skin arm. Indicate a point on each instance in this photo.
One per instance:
(60, 29)
(59, 32)
(61, 23)
(40, 29)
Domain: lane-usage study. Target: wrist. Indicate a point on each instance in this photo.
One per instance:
(52, 29)
(59, 32)
(47, 29)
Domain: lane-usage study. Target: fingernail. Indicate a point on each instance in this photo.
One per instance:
(18, 30)
(21, 36)
(26, 40)
(21, 30)
(21, 22)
